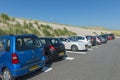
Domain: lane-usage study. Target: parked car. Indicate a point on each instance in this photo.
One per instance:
(110, 36)
(105, 37)
(102, 40)
(83, 39)
(113, 36)
(19, 55)
(54, 48)
(92, 40)
(98, 41)
(73, 45)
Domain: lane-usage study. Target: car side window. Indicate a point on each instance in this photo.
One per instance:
(67, 40)
(7, 45)
(43, 41)
(29, 42)
(81, 38)
(2, 45)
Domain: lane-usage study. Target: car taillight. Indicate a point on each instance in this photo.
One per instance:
(52, 48)
(15, 59)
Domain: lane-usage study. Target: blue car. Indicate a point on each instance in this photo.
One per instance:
(20, 55)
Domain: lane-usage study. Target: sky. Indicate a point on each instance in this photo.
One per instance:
(83, 13)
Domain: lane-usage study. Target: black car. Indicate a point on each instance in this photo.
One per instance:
(54, 48)
(105, 37)
(92, 39)
(102, 39)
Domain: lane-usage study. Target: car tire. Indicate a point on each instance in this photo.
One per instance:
(64, 57)
(86, 48)
(74, 48)
(48, 58)
(7, 75)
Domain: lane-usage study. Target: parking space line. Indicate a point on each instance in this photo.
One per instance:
(90, 49)
(95, 47)
(70, 58)
(76, 52)
(47, 69)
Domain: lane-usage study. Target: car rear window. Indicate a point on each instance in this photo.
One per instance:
(27, 43)
(55, 41)
(45, 41)
(88, 37)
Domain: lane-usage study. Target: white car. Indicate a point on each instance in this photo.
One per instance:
(73, 45)
(83, 39)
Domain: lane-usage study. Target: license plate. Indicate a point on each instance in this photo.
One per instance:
(34, 67)
(61, 54)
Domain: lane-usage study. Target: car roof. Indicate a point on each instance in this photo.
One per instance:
(48, 38)
(17, 35)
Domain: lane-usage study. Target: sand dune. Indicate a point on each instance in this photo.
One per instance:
(78, 30)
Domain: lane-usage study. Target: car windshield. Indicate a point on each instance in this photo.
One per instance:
(27, 43)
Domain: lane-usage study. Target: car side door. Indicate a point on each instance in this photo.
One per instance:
(2, 52)
(68, 44)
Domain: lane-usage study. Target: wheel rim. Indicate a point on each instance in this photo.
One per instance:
(6, 75)
(74, 48)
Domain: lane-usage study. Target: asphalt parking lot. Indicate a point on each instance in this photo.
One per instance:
(98, 63)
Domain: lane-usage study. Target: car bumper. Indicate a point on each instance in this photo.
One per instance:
(57, 55)
(82, 48)
(18, 71)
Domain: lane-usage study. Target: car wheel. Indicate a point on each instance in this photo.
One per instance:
(64, 57)
(86, 48)
(48, 58)
(74, 48)
(7, 75)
